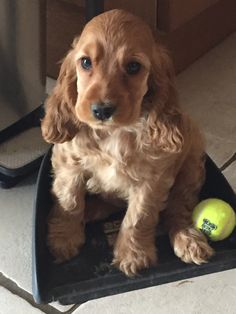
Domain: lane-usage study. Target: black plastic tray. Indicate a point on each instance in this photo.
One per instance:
(90, 275)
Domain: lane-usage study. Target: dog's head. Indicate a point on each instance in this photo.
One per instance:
(104, 80)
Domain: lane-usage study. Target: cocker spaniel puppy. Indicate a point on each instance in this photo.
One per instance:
(119, 132)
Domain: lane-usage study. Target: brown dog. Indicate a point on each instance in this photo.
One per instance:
(119, 131)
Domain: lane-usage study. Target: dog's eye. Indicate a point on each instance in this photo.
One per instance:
(133, 68)
(86, 63)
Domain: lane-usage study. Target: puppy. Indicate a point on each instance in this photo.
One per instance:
(119, 132)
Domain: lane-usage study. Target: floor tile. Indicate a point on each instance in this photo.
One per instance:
(208, 92)
(12, 304)
(210, 294)
(60, 307)
(16, 208)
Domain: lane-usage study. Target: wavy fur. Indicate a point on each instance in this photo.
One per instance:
(149, 155)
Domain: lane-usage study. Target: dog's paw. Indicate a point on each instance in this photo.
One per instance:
(65, 238)
(191, 246)
(131, 258)
(132, 262)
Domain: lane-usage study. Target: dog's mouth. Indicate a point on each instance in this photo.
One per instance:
(104, 125)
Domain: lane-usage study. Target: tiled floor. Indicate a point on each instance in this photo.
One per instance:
(208, 92)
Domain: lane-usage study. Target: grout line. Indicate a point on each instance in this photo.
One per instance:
(228, 162)
(75, 307)
(12, 287)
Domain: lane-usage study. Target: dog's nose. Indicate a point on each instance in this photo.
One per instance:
(103, 111)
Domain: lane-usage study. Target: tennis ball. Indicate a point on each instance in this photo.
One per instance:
(215, 218)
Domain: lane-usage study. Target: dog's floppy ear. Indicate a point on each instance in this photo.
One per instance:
(60, 124)
(164, 118)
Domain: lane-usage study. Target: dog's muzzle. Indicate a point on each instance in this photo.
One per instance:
(102, 111)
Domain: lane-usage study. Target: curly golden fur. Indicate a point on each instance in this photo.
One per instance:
(149, 153)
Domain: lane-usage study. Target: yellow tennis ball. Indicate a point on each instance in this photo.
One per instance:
(215, 218)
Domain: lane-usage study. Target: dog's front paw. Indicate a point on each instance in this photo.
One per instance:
(191, 246)
(130, 257)
(65, 238)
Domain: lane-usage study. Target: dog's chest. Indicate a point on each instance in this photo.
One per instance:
(114, 165)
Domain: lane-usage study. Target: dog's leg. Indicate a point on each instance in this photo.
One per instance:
(66, 219)
(65, 233)
(135, 246)
(189, 244)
